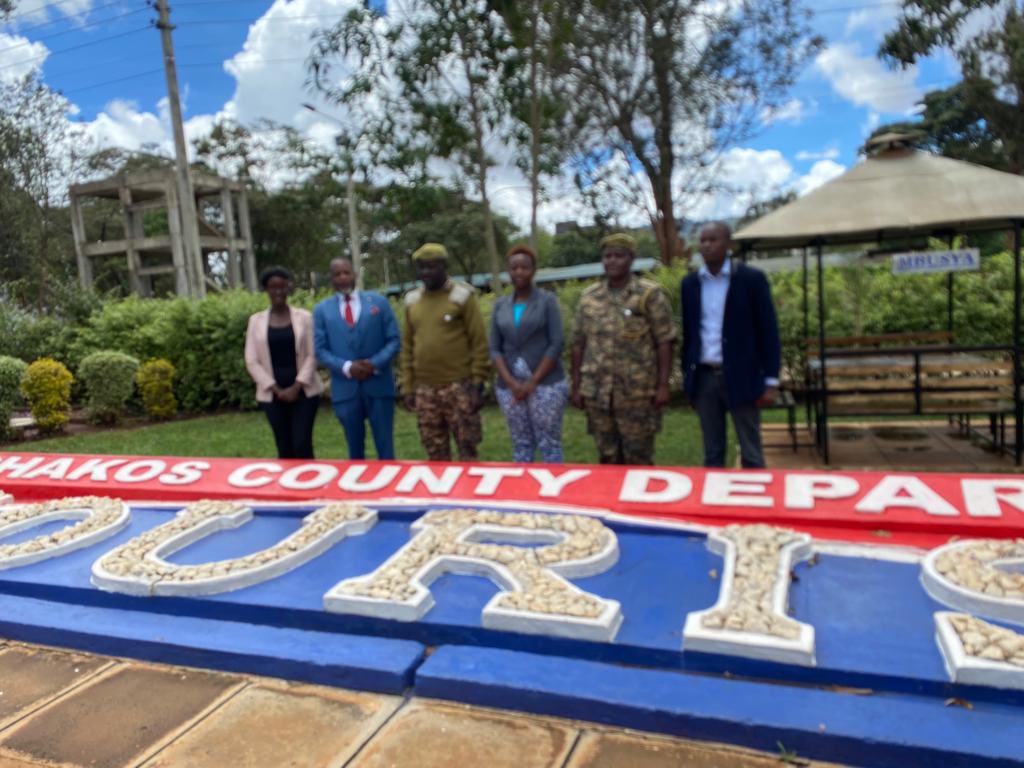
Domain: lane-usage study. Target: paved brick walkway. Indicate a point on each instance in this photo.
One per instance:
(59, 708)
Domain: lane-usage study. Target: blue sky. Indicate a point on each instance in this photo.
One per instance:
(244, 58)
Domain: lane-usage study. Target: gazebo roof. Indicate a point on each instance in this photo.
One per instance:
(898, 192)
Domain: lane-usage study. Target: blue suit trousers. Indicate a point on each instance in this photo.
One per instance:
(353, 414)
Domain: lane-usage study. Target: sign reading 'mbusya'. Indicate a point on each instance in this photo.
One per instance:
(677, 600)
(924, 262)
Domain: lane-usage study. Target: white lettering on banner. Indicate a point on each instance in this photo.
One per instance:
(536, 597)
(491, 477)
(55, 470)
(636, 486)
(185, 473)
(982, 577)
(96, 469)
(243, 477)
(140, 471)
(16, 467)
(97, 519)
(351, 481)
(551, 486)
(139, 567)
(439, 486)
(982, 498)
(722, 489)
(750, 619)
(802, 491)
(322, 474)
(889, 493)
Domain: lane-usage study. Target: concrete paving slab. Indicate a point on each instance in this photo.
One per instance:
(30, 677)
(267, 726)
(617, 750)
(116, 719)
(427, 734)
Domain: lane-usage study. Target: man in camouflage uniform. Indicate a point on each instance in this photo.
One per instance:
(621, 357)
(444, 358)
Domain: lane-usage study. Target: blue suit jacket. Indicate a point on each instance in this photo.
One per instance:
(750, 335)
(374, 337)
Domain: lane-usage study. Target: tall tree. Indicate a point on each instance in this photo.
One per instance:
(987, 39)
(661, 87)
(950, 125)
(435, 65)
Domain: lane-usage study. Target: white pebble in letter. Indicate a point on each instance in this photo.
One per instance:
(750, 618)
(98, 519)
(139, 567)
(536, 598)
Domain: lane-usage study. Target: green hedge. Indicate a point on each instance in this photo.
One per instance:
(11, 372)
(109, 380)
(46, 386)
(204, 340)
(155, 381)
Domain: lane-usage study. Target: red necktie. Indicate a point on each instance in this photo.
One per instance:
(349, 317)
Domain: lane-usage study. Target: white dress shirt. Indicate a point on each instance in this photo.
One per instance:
(357, 307)
(713, 291)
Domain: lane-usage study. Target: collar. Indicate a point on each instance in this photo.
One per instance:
(725, 271)
(354, 294)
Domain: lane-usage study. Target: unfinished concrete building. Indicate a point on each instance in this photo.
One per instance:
(149, 240)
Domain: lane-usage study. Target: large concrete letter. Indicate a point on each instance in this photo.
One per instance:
(535, 596)
(98, 519)
(983, 577)
(139, 567)
(750, 618)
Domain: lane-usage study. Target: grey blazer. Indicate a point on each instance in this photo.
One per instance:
(539, 334)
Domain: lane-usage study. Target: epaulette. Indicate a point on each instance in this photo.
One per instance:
(413, 296)
(460, 293)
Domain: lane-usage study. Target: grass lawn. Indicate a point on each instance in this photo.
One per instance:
(248, 435)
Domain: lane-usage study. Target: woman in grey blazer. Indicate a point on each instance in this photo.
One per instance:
(526, 347)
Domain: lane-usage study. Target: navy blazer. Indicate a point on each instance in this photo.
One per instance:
(538, 335)
(374, 337)
(751, 350)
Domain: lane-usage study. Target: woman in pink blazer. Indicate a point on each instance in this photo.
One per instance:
(279, 357)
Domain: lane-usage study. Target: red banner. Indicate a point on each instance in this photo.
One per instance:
(919, 509)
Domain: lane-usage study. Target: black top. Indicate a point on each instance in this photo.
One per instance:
(282, 354)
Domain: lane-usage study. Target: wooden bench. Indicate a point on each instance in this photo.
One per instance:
(916, 339)
(784, 399)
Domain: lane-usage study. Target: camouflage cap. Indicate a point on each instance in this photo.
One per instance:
(430, 252)
(619, 240)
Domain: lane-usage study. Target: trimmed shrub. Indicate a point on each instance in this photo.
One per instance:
(155, 381)
(109, 380)
(11, 371)
(46, 386)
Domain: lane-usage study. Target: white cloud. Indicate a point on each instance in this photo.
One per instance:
(826, 154)
(34, 11)
(866, 82)
(876, 20)
(19, 57)
(821, 173)
(793, 112)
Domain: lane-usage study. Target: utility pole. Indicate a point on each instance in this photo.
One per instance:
(194, 272)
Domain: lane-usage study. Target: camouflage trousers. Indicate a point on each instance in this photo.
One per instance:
(446, 411)
(624, 433)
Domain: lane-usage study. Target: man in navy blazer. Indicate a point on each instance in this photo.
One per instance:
(731, 347)
(356, 337)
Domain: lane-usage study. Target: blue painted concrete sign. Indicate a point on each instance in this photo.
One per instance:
(925, 262)
(747, 633)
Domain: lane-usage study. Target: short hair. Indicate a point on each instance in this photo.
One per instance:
(720, 225)
(272, 272)
(524, 249)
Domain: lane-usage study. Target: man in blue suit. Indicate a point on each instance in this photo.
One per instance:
(731, 347)
(356, 338)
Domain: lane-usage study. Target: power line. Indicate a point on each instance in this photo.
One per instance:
(65, 17)
(124, 79)
(95, 23)
(75, 47)
(25, 14)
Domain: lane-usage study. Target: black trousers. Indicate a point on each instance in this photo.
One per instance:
(711, 408)
(292, 424)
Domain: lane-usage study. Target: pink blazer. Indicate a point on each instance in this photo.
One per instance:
(257, 354)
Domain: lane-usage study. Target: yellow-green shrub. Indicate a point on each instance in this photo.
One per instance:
(109, 379)
(11, 371)
(46, 386)
(155, 380)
